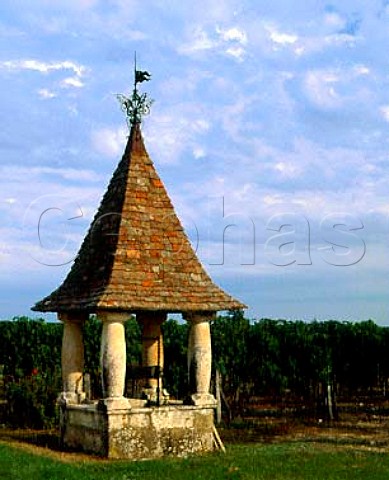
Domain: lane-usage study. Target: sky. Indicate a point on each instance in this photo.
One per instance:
(269, 129)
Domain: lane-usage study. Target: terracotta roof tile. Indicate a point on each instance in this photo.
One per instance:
(136, 255)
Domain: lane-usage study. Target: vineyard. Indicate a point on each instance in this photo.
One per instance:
(268, 369)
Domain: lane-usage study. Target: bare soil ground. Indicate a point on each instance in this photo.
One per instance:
(363, 424)
(359, 426)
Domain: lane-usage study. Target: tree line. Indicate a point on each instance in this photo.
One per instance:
(255, 358)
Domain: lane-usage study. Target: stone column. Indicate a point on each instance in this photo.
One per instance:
(113, 358)
(72, 355)
(200, 358)
(152, 350)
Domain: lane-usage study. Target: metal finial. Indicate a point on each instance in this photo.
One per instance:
(137, 105)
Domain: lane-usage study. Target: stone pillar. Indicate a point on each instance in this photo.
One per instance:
(200, 358)
(72, 355)
(152, 350)
(113, 358)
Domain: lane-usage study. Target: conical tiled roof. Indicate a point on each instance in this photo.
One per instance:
(136, 255)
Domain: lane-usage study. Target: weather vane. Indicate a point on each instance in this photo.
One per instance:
(139, 103)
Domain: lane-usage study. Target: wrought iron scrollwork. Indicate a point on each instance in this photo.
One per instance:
(135, 107)
(138, 105)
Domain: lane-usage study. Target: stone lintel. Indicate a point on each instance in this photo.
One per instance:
(145, 316)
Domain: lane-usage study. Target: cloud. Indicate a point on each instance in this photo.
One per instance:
(12, 174)
(334, 20)
(109, 141)
(230, 41)
(10, 31)
(72, 82)
(309, 179)
(199, 152)
(384, 110)
(341, 87)
(325, 30)
(287, 169)
(341, 39)
(207, 12)
(236, 52)
(236, 40)
(300, 125)
(46, 94)
(318, 44)
(176, 130)
(280, 38)
(232, 34)
(320, 86)
(168, 137)
(43, 67)
(199, 41)
(69, 4)
(61, 201)
(46, 68)
(361, 69)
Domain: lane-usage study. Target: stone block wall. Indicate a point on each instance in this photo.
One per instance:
(138, 433)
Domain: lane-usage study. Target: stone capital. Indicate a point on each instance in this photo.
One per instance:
(73, 317)
(107, 316)
(199, 317)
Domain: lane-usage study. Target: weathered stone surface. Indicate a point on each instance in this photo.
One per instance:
(152, 348)
(200, 357)
(82, 428)
(113, 353)
(72, 355)
(139, 433)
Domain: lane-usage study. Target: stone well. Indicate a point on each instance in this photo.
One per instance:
(136, 260)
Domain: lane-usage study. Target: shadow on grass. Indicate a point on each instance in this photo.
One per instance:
(40, 438)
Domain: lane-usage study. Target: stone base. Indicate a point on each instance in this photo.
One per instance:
(75, 398)
(203, 399)
(137, 433)
(152, 396)
(114, 404)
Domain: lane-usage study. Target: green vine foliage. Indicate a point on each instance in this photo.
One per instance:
(266, 357)
(175, 337)
(32, 401)
(31, 360)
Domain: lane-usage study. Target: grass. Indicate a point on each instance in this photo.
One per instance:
(283, 461)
